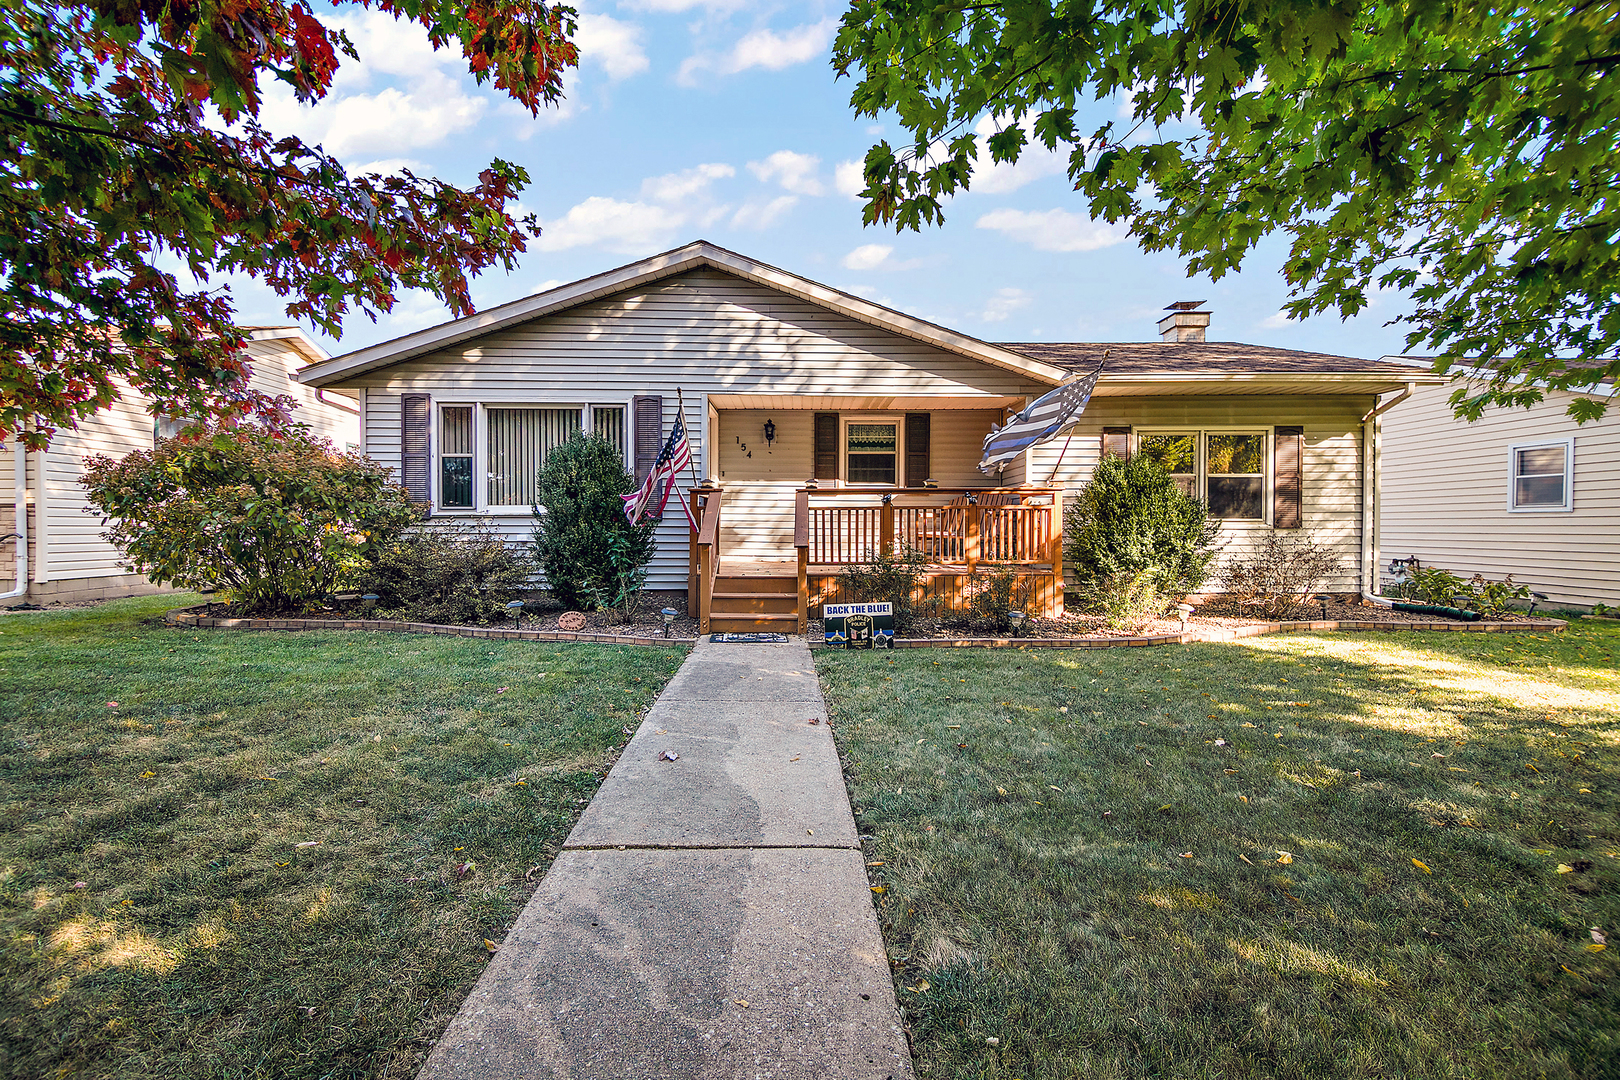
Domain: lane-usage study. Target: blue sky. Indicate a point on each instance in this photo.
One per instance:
(722, 120)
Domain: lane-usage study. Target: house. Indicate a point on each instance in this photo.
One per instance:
(65, 558)
(1526, 492)
(825, 427)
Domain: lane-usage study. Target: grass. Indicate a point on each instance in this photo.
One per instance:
(1075, 878)
(268, 829)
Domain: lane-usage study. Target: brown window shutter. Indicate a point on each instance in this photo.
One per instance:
(648, 413)
(826, 446)
(1287, 510)
(1116, 441)
(918, 427)
(416, 446)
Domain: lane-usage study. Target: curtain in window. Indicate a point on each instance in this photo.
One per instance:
(608, 422)
(519, 440)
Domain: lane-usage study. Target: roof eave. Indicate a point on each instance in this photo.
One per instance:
(657, 268)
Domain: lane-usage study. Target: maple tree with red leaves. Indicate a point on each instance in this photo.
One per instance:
(114, 163)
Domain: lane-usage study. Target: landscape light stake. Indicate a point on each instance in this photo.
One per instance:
(515, 609)
(669, 620)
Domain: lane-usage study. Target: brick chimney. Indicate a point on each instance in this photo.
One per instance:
(1185, 322)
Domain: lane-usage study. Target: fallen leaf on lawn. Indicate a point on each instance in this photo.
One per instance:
(1166, 806)
(991, 1040)
(86, 885)
(1245, 858)
(1245, 799)
(669, 755)
(626, 730)
(501, 689)
(1001, 790)
(1442, 757)
(1247, 724)
(1597, 946)
(1231, 772)
(878, 863)
(1565, 868)
(465, 869)
(814, 720)
(528, 875)
(1186, 854)
(741, 1002)
(880, 889)
(1419, 864)
(1220, 742)
(283, 864)
(1055, 788)
(1284, 858)
(112, 704)
(795, 757)
(307, 843)
(490, 945)
(148, 775)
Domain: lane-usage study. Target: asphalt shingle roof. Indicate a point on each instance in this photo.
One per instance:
(1197, 357)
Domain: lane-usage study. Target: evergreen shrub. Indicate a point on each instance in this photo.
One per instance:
(591, 555)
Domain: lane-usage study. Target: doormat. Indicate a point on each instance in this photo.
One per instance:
(749, 639)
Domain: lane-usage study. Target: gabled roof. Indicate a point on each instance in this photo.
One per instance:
(697, 255)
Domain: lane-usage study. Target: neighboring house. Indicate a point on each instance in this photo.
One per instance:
(1527, 492)
(67, 558)
(786, 381)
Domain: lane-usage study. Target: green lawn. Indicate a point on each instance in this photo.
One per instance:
(268, 828)
(1078, 880)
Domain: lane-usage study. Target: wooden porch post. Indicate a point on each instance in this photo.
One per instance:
(886, 525)
(1057, 550)
(970, 544)
(801, 542)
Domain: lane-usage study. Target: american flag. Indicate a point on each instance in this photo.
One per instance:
(1041, 421)
(675, 456)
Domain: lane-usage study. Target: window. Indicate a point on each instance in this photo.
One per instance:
(456, 457)
(608, 422)
(873, 451)
(1539, 476)
(1178, 455)
(1226, 469)
(1234, 467)
(519, 440)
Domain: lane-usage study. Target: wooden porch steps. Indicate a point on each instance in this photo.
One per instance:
(754, 604)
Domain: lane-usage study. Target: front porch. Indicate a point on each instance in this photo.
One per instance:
(964, 533)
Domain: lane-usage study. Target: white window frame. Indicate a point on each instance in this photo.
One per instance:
(1568, 504)
(899, 422)
(481, 504)
(1268, 471)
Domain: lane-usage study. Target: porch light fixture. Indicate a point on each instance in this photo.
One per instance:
(1017, 620)
(811, 484)
(1184, 612)
(930, 483)
(770, 432)
(515, 609)
(669, 620)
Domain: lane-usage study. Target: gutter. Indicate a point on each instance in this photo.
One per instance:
(345, 405)
(1381, 409)
(20, 497)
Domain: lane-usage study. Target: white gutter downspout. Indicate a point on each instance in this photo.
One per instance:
(1370, 451)
(20, 496)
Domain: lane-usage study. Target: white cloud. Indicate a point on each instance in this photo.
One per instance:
(764, 48)
(434, 108)
(631, 228)
(1275, 322)
(849, 178)
(762, 215)
(675, 186)
(413, 310)
(1053, 230)
(867, 256)
(390, 166)
(1004, 303)
(795, 172)
(874, 129)
(1034, 162)
(388, 46)
(613, 44)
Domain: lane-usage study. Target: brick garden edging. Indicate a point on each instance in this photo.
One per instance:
(1219, 634)
(186, 617)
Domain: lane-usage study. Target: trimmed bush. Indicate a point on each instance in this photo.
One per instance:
(276, 522)
(455, 574)
(1279, 575)
(886, 576)
(1132, 519)
(590, 553)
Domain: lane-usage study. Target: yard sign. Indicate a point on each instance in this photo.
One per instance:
(858, 626)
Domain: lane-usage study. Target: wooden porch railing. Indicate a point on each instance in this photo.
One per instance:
(801, 547)
(1015, 526)
(705, 556)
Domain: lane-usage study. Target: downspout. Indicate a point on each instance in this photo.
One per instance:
(1370, 452)
(20, 498)
(344, 404)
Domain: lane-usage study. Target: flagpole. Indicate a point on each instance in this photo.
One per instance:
(1070, 439)
(680, 404)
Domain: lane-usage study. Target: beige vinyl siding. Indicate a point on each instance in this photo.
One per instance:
(1331, 500)
(1445, 485)
(273, 362)
(704, 332)
(757, 518)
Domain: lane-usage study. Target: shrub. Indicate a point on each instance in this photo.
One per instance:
(1125, 601)
(887, 576)
(590, 553)
(460, 574)
(1432, 585)
(1280, 574)
(1493, 597)
(996, 591)
(1132, 518)
(276, 521)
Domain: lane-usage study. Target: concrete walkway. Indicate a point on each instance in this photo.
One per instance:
(732, 875)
